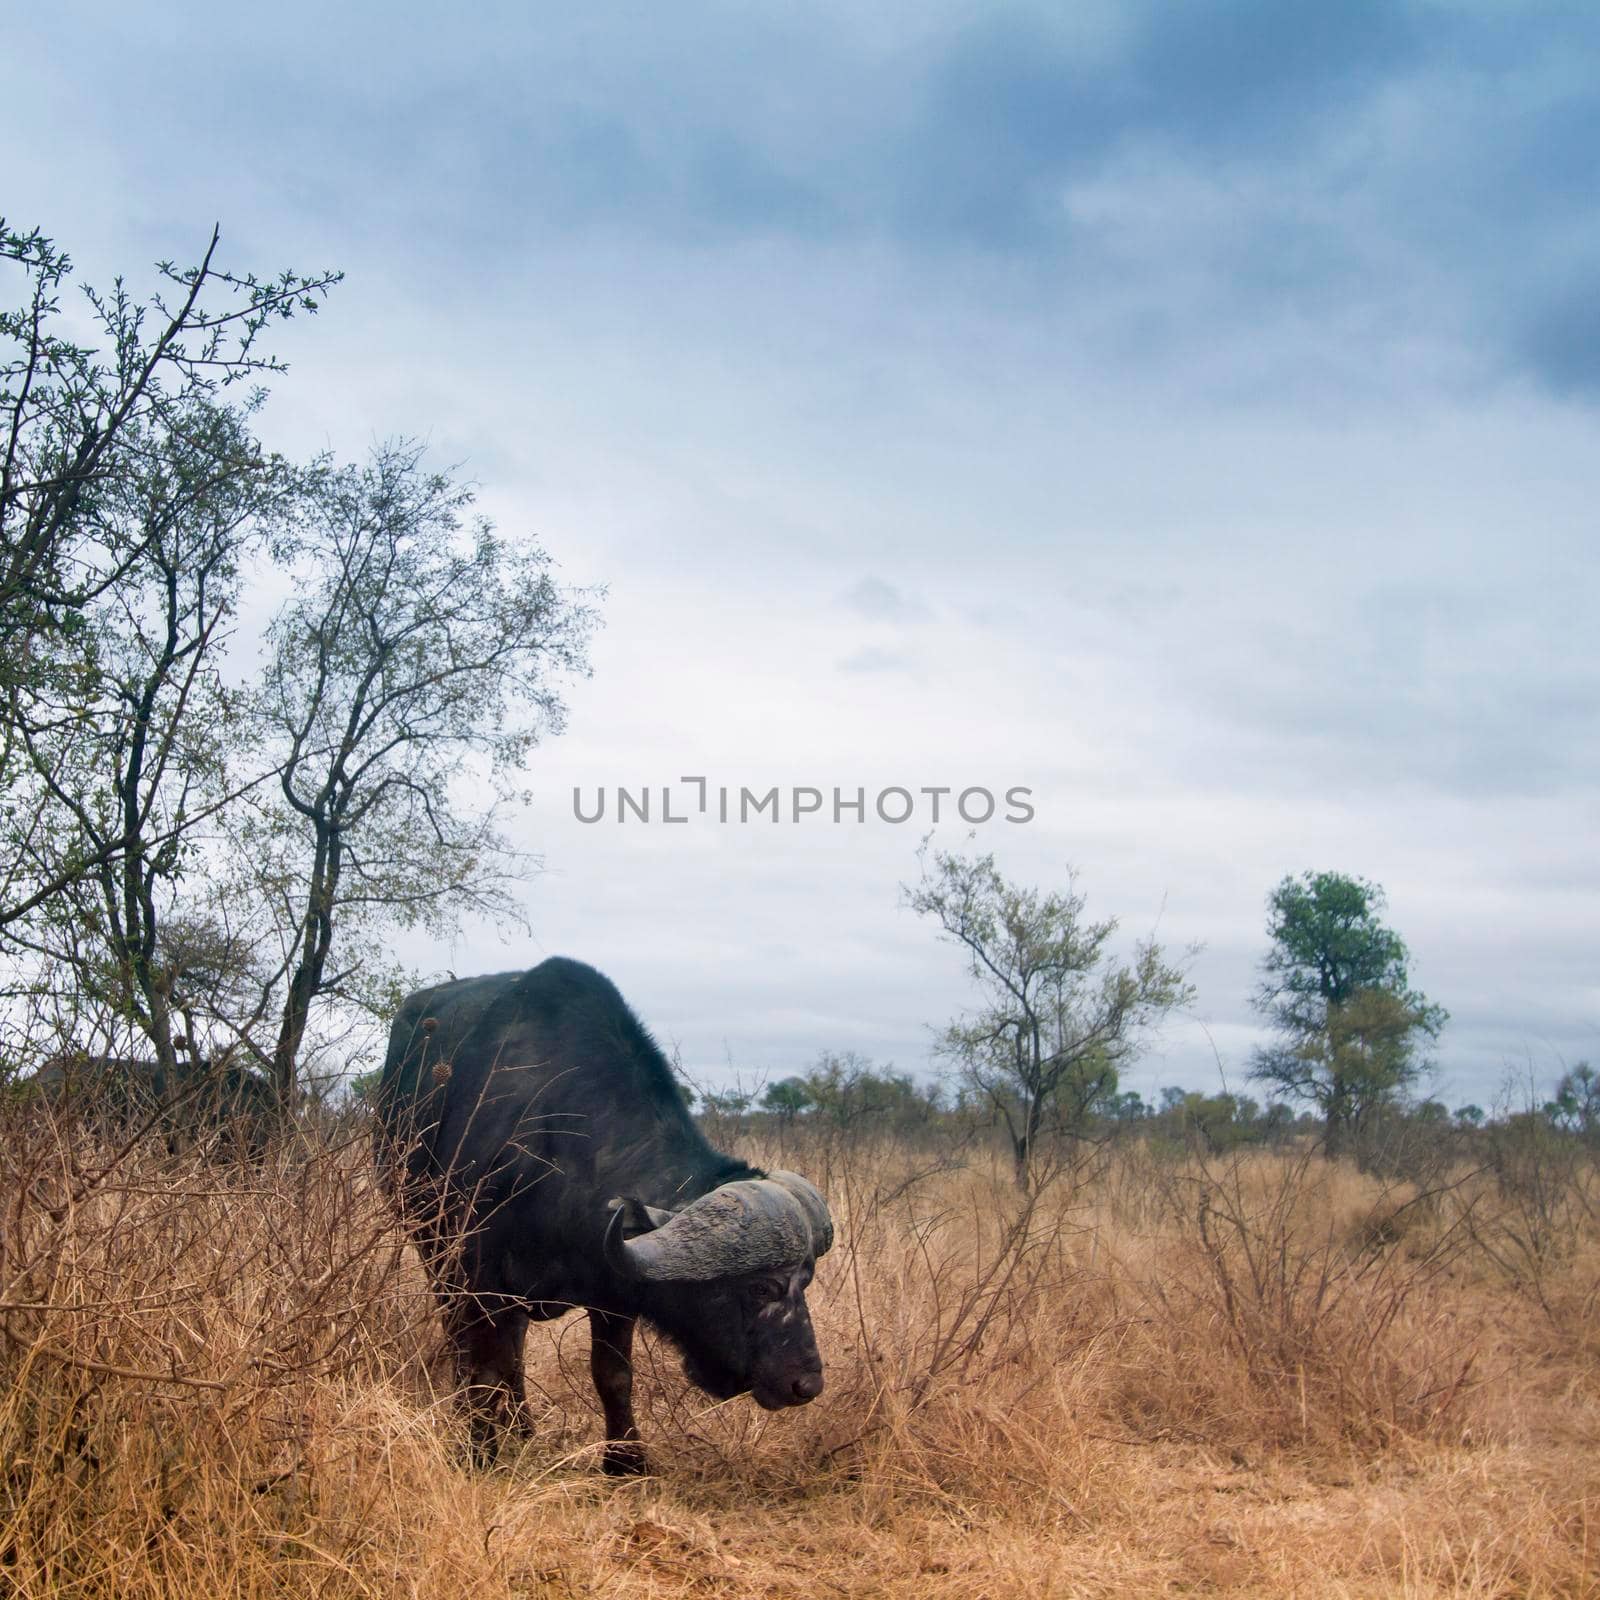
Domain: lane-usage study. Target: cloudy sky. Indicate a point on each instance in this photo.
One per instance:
(1186, 411)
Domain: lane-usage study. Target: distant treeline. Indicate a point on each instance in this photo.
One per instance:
(846, 1093)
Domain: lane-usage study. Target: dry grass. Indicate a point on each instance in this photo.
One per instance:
(1260, 1376)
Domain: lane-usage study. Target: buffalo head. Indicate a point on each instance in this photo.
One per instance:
(726, 1279)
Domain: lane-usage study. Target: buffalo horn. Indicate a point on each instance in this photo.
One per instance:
(753, 1225)
(814, 1206)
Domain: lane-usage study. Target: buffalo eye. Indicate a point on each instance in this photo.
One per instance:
(764, 1290)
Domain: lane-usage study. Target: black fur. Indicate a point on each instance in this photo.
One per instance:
(514, 1109)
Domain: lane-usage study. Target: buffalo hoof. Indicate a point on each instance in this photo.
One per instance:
(623, 1460)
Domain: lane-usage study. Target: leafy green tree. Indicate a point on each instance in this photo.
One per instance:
(1335, 989)
(1214, 1121)
(786, 1098)
(848, 1092)
(1576, 1106)
(1058, 1015)
(1128, 1106)
(1276, 1120)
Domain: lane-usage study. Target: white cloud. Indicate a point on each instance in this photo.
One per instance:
(1222, 508)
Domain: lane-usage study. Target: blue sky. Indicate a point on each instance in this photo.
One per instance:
(1187, 411)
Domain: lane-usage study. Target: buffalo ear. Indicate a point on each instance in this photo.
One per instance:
(637, 1217)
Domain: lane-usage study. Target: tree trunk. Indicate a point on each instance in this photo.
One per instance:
(1023, 1144)
(1335, 1134)
(305, 983)
(1019, 1157)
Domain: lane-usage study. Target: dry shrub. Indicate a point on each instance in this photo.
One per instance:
(1534, 1216)
(171, 1332)
(1262, 1301)
(1263, 1374)
(1305, 1302)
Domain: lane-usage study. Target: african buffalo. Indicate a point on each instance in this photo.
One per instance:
(545, 1161)
(222, 1106)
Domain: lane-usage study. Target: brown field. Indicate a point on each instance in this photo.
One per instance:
(1259, 1375)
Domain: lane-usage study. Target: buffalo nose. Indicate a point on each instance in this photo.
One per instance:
(807, 1387)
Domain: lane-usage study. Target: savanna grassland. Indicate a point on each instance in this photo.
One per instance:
(1259, 1374)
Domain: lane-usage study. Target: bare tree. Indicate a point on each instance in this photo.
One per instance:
(126, 755)
(83, 424)
(413, 671)
(1058, 1017)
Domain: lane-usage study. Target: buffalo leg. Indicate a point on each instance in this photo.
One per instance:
(611, 1365)
(488, 1350)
